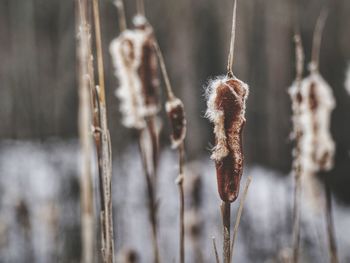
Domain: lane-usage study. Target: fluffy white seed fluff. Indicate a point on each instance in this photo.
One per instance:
(217, 116)
(316, 148)
(129, 92)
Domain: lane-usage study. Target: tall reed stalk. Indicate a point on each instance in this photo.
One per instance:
(297, 162)
(85, 122)
(105, 154)
(176, 115)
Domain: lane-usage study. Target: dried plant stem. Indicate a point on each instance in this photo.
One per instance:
(330, 226)
(86, 193)
(170, 93)
(121, 15)
(226, 218)
(215, 251)
(140, 6)
(179, 182)
(296, 217)
(152, 207)
(232, 42)
(105, 151)
(152, 128)
(239, 215)
(316, 45)
(181, 149)
(299, 54)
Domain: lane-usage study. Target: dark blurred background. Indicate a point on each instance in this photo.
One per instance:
(38, 95)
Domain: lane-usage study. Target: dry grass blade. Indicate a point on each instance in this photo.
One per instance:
(105, 154)
(239, 214)
(215, 251)
(85, 119)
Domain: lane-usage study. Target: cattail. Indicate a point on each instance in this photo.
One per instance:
(136, 68)
(313, 103)
(226, 103)
(176, 114)
(226, 109)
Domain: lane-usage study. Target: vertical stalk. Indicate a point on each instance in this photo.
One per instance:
(297, 168)
(151, 196)
(232, 42)
(330, 226)
(85, 118)
(182, 204)
(226, 218)
(107, 238)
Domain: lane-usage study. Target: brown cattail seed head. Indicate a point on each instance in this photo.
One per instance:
(315, 102)
(136, 68)
(226, 109)
(176, 114)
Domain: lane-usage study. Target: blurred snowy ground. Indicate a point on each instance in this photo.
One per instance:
(39, 209)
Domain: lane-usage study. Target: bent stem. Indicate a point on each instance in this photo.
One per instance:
(226, 218)
(239, 215)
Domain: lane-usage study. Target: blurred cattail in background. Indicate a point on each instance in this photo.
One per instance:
(313, 103)
(136, 68)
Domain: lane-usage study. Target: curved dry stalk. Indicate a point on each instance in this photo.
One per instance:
(317, 37)
(226, 218)
(239, 214)
(232, 42)
(121, 15)
(215, 250)
(169, 90)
